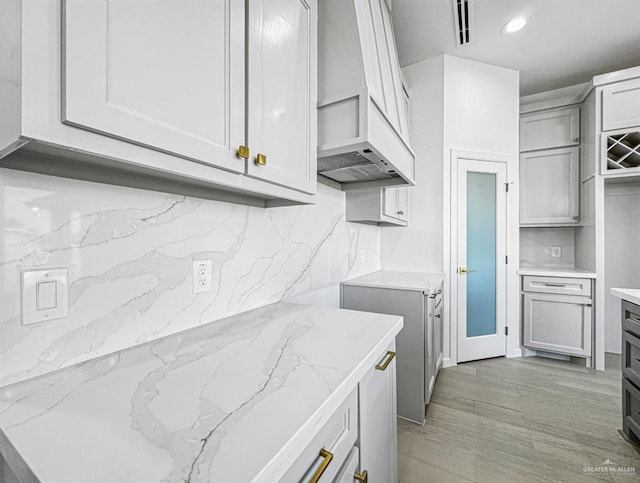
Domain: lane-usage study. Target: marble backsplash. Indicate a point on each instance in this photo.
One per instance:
(130, 253)
(536, 245)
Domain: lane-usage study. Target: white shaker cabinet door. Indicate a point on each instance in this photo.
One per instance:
(282, 92)
(549, 190)
(396, 203)
(552, 128)
(621, 105)
(167, 74)
(378, 425)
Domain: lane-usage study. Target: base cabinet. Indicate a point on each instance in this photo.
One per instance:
(378, 424)
(360, 439)
(557, 315)
(631, 372)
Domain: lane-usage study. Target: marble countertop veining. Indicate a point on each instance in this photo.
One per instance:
(629, 294)
(233, 400)
(422, 281)
(556, 272)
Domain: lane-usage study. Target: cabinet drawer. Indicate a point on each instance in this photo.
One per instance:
(631, 317)
(557, 285)
(630, 408)
(631, 357)
(621, 105)
(337, 436)
(350, 467)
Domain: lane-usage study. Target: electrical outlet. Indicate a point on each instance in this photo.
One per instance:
(202, 276)
(556, 252)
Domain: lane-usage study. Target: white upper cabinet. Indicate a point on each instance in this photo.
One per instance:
(552, 128)
(382, 206)
(131, 74)
(549, 192)
(215, 99)
(282, 93)
(363, 131)
(396, 203)
(621, 105)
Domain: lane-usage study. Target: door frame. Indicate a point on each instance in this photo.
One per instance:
(450, 246)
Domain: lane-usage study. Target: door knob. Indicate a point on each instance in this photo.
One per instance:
(466, 270)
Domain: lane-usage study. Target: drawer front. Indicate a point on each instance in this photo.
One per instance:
(631, 317)
(350, 467)
(557, 285)
(630, 408)
(337, 437)
(631, 357)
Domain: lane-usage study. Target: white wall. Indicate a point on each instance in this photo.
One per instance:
(456, 104)
(130, 255)
(622, 253)
(419, 247)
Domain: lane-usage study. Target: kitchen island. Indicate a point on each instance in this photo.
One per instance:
(238, 399)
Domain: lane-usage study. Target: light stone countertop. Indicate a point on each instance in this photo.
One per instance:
(629, 294)
(421, 281)
(235, 400)
(556, 272)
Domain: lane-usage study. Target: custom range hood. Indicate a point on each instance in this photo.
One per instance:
(363, 127)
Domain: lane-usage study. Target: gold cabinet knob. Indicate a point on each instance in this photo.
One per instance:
(363, 477)
(400, 212)
(261, 159)
(243, 152)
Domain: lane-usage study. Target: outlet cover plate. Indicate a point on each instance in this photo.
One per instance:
(201, 276)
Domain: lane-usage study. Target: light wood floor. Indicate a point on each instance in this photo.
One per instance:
(518, 420)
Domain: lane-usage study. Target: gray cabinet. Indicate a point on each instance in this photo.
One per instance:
(417, 359)
(550, 128)
(631, 372)
(549, 190)
(557, 315)
(382, 206)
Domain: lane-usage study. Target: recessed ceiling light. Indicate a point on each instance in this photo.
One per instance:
(515, 24)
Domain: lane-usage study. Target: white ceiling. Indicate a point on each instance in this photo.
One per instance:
(567, 41)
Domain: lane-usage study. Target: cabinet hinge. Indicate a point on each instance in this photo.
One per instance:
(506, 259)
(506, 187)
(506, 330)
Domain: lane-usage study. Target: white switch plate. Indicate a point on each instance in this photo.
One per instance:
(202, 276)
(556, 252)
(45, 295)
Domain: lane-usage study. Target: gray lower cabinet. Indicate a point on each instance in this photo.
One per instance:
(631, 372)
(419, 342)
(557, 315)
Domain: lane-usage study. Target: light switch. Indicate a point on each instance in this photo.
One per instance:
(44, 295)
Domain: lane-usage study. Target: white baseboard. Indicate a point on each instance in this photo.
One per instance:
(515, 353)
(447, 362)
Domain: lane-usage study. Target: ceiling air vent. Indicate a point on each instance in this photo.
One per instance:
(462, 21)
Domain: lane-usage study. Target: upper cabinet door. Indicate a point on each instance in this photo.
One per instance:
(549, 187)
(550, 129)
(621, 105)
(282, 92)
(167, 74)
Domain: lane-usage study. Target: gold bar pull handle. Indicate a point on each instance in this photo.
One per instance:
(328, 456)
(385, 364)
(261, 159)
(243, 152)
(363, 477)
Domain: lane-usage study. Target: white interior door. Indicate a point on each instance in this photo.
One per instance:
(481, 252)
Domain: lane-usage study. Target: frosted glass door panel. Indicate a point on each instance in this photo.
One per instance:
(481, 254)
